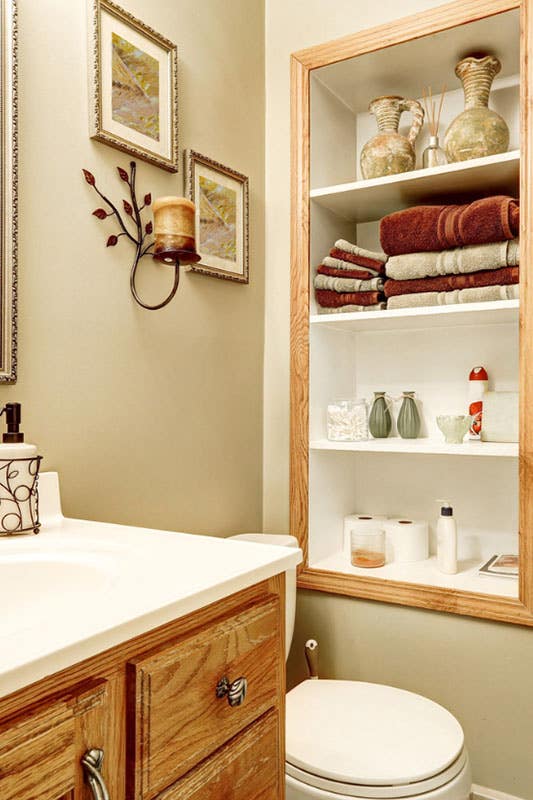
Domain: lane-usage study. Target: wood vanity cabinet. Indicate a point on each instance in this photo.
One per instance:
(168, 712)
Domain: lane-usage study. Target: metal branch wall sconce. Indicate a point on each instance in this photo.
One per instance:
(174, 241)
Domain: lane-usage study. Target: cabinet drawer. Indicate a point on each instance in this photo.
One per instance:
(175, 717)
(247, 768)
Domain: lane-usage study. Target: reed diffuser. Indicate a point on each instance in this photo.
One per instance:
(433, 155)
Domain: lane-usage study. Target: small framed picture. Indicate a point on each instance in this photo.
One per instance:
(222, 226)
(132, 86)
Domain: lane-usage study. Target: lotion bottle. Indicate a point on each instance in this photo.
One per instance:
(447, 541)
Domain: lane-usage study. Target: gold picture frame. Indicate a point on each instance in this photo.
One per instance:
(221, 197)
(133, 80)
(8, 192)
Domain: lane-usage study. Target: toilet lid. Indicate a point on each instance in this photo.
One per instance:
(368, 734)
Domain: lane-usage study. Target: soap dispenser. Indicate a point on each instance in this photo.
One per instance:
(446, 540)
(19, 470)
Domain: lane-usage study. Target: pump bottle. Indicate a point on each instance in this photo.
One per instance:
(447, 541)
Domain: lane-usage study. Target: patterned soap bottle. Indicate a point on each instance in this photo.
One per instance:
(478, 384)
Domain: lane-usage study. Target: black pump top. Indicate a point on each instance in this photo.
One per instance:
(446, 511)
(13, 416)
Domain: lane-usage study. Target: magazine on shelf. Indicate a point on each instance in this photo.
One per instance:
(501, 566)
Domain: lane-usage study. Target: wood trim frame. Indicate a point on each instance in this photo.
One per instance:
(438, 599)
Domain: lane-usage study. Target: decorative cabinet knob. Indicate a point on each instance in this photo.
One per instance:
(92, 765)
(235, 692)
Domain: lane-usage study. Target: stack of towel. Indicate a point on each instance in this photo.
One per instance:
(350, 279)
(441, 255)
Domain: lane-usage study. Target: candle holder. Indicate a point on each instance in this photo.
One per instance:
(139, 237)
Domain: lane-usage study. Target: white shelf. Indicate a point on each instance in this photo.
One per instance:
(426, 573)
(496, 312)
(364, 201)
(421, 447)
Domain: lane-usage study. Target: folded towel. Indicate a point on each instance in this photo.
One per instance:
(454, 262)
(357, 255)
(350, 309)
(447, 283)
(348, 284)
(423, 228)
(476, 295)
(339, 263)
(362, 274)
(337, 299)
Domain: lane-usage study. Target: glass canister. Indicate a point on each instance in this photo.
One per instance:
(347, 420)
(368, 548)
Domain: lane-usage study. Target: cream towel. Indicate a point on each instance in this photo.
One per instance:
(475, 258)
(348, 284)
(337, 263)
(479, 294)
(351, 309)
(348, 247)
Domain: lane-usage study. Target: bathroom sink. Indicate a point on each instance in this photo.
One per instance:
(35, 585)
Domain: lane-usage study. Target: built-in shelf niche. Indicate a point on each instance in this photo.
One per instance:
(427, 350)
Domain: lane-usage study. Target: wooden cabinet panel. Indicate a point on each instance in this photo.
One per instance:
(245, 769)
(175, 717)
(40, 749)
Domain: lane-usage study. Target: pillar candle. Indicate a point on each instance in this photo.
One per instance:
(173, 226)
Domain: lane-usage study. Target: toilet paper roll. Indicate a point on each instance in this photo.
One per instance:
(363, 523)
(407, 539)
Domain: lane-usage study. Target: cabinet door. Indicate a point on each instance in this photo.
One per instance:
(247, 768)
(178, 717)
(41, 749)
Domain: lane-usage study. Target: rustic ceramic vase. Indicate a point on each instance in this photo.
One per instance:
(389, 152)
(408, 422)
(380, 420)
(477, 131)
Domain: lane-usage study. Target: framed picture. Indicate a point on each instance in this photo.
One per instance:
(220, 195)
(132, 86)
(8, 191)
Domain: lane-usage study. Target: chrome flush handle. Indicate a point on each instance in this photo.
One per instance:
(235, 692)
(92, 765)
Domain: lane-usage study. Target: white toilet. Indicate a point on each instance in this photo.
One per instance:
(347, 739)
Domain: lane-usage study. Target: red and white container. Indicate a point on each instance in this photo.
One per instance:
(478, 384)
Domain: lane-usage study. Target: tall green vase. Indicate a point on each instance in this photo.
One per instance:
(380, 420)
(408, 421)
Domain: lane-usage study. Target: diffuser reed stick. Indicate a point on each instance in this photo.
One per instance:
(433, 155)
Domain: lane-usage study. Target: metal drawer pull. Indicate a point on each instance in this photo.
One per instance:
(92, 764)
(235, 692)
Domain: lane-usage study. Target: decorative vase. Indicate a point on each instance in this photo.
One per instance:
(380, 420)
(389, 152)
(477, 131)
(408, 419)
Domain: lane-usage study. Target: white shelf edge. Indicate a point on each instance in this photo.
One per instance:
(423, 315)
(421, 447)
(425, 573)
(414, 175)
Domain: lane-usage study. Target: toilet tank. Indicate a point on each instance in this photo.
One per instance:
(280, 540)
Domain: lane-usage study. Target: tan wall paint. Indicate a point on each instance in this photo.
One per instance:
(480, 670)
(151, 418)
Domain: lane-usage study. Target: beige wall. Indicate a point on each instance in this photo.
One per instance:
(151, 418)
(480, 670)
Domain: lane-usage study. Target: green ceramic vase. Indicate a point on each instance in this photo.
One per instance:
(380, 420)
(408, 419)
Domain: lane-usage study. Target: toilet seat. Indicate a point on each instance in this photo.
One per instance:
(366, 740)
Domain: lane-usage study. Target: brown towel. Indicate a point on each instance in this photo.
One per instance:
(360, 261)
(447, 283)
(362, 274)
(422, 228)
(330, 299)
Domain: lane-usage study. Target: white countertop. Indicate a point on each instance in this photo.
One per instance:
(80, 587)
